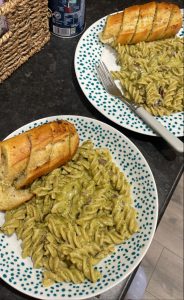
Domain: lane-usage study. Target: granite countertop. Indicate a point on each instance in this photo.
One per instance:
(46, 86)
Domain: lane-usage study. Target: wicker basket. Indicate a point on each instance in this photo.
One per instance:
(28, 31)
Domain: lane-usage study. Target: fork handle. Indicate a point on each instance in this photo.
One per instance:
(173, 141)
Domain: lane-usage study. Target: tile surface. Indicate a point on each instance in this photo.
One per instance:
(170, 231)
(178, 193)
(150, 260)
(163, 263)
(148, 296)
(166, 282)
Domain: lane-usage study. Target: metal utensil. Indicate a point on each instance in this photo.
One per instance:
(111, 88)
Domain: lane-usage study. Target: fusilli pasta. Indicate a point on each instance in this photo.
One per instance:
(79, 212)
(152, 74)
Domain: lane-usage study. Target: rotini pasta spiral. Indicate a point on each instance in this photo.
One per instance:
(152, 74)
(79, 212)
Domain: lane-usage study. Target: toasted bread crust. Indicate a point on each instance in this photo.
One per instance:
(16, 153)
(130, 20)
(147, 22)
(112, 26)
(175, 22)
(32, 154)
(161, 21)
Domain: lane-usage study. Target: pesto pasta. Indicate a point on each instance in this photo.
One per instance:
(78, 214)
(152, 74)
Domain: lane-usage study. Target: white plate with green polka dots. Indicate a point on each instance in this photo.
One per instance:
(88, 53)
(19, 273)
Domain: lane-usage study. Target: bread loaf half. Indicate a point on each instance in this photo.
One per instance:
(32, 154)
(112, 28)
(145, 22)
(129, 22)
(148, 22)
(160, 21)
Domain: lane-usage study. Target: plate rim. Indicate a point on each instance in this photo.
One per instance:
(132, 145)
(101, 110)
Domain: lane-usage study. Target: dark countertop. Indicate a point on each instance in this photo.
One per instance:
(46, 85)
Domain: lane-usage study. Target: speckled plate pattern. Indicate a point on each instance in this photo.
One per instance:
(19, 273)
(88, 53)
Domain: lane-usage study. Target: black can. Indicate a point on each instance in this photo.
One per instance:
(68, 17)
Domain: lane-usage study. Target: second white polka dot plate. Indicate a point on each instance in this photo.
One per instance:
(88, 54)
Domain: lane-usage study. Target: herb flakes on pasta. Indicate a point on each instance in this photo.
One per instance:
(152, 74)
(78, 214)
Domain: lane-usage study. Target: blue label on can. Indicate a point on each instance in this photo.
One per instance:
(68, 17)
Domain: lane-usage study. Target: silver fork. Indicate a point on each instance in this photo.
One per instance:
(111, 88)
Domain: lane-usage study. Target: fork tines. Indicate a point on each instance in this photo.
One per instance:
(105, 76)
